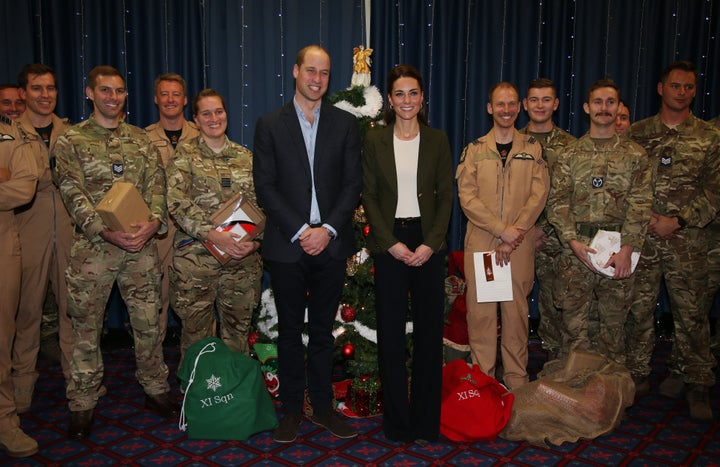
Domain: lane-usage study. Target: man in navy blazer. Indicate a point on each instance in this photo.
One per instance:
(308, 181)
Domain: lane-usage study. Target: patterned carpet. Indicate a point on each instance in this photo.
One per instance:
(656, 431)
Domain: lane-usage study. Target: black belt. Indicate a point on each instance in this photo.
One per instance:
(589, 230)
(407, 221)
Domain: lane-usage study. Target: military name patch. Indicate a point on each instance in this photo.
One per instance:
(666, 161)
(598, 182)
(118, 169)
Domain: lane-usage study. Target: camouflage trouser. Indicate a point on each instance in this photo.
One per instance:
(576, 287)
(550, 328)
(713, 258)
(49, 323)
(200, 286)
(93, 269)
(683, 262)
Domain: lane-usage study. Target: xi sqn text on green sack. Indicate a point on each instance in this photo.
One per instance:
(225, 395)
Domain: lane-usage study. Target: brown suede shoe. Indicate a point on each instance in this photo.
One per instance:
(80, 424)
(335, 424)
(163, 404)
(286, 432)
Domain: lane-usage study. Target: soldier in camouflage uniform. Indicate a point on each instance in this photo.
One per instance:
(540, 103)
(18, 180)
(91, 156)
(601, 181)
(686, 152)
(169, 131)
(714, 265)
(622, 121)
(206, 172)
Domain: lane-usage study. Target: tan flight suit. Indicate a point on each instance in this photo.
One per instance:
(16, 191)
(494, 196)
(165, 242)
(45, 237)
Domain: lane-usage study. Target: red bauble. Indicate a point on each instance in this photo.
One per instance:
(348, 351)
(372, 271)
(347, 313)
(366, 230)
(253, 338)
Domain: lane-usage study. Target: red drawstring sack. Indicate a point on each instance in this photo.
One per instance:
(475, 407)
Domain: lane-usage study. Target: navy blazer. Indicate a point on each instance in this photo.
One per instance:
(283, 183)
(434, 187)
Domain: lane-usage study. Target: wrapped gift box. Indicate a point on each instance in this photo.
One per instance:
(238, 215)
(364, 396)
(122, 206)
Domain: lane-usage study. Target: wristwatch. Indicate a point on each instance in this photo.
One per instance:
(330, 233)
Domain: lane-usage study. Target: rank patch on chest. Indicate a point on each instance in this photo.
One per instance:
(598, 182)
(225, 182)
(665, 161)
(118, 169)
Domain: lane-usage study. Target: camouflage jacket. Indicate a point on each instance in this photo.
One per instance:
(687, 160)
(90, 158)
(715, 122)
(200, 181)
(553, 143)
(602, 182)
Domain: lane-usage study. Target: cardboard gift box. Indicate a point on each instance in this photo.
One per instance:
(122, 206)
(238, 215)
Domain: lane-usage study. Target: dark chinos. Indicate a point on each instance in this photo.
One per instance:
(418, 417)
(283, 183)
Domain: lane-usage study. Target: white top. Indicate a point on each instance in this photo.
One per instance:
(406, 163)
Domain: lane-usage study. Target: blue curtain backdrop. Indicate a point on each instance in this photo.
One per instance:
(245, 49)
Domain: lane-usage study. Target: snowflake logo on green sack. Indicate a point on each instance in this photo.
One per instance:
(213, 382)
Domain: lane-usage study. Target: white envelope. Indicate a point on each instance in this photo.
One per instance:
(605, 243)
(493, 283)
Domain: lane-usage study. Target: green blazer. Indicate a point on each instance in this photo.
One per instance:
(380, 192)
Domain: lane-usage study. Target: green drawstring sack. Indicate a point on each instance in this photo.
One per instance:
(225, 395)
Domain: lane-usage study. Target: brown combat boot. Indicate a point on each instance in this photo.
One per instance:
(698, 399)
(673, 386)
(642, 386)
(17, 444)
(23, 398)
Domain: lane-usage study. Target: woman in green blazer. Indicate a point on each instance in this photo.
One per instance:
(407, 196)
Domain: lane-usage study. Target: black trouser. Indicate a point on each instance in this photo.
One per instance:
(418, 417)
(315, 281)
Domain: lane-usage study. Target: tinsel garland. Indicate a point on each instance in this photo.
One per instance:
(267, 321)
